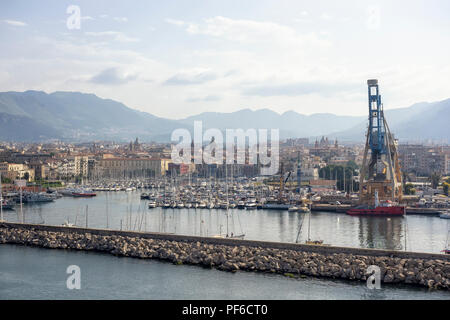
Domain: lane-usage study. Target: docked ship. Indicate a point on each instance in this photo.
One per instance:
(378, 209)
(35, 198)
(86, 193)
(275, 204)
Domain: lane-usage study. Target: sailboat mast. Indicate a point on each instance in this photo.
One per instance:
(309, 226)
(1, 199)
(226, 182)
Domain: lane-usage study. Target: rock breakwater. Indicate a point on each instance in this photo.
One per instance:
(431, 273)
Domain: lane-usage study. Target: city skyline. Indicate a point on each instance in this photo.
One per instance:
(225, 57)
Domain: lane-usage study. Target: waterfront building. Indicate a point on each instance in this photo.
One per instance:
(132, 167)
(15, 171)
(422, 160)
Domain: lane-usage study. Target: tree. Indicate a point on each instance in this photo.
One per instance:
(434, 179)
(446, 186)
(409, 189)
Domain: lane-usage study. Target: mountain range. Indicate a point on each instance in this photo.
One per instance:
(74, 116)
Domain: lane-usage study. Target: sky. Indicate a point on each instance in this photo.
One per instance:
(178, 58)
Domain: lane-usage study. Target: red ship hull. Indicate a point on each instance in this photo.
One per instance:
(378, 211)
(86, 195)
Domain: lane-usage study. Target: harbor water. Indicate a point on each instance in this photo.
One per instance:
(116, 210)
(36, 273)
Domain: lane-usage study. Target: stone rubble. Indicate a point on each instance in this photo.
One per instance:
(429, 273)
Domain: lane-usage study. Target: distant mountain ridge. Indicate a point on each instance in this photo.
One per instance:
(75, 116)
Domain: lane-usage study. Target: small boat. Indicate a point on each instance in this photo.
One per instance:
(144, 196)
(251, 206)
(180, 205)
(316, 242)
(445, 215)
(223, 205)
(84, 193)
(35, 198)
(303, 209)
(293, 209)
(6, 205)
(152, 204)
(241, 205)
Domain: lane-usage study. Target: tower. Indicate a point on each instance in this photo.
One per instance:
(380, 172)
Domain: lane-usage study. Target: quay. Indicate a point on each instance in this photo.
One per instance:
(414, 268)
(342, 208)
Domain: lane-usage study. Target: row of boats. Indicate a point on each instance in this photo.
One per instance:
(155, 201)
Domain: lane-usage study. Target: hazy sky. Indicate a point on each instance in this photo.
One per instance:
(178, 58)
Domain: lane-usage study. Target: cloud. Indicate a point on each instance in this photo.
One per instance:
(250, 31)
(112, 76)
(175, 22)
(121, 19)
(190, 78)
(15, 23)
(298, 89)
(325, 16)
(204, 99)
(115, 35)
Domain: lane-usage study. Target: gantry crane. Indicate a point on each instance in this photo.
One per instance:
(380, 172)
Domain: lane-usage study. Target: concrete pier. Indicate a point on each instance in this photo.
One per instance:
(422, 269)
(342, 208)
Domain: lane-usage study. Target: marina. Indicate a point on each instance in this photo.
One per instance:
(126, 211)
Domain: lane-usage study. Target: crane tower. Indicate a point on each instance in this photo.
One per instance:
(380, 171)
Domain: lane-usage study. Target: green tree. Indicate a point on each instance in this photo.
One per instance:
(446, 187)
(434, 179)
(409, 189)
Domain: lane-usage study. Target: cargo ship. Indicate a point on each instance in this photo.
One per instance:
(378, 209)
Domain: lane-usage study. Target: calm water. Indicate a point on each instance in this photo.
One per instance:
(35, 273)
(113, 209)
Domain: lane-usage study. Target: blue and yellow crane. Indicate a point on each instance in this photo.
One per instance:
(380, 171)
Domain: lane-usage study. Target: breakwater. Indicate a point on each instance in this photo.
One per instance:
(430, 270)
